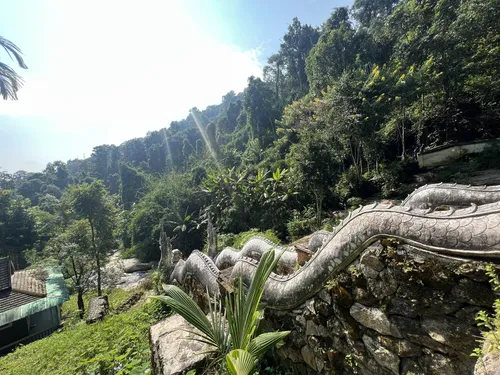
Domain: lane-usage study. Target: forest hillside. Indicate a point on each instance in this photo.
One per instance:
(339, 114)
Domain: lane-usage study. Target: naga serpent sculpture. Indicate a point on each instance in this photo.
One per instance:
(464, 232)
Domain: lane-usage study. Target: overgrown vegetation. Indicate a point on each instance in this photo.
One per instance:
(339, 115)
(490, 342)
(118, 345)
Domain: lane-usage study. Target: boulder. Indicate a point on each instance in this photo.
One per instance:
(172, 351)
(97, 309)
(134, 265)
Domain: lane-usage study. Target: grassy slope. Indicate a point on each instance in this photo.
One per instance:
(119, 345)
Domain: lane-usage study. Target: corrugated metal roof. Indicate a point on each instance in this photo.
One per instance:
(23, 282)
(10, 300)
(4, 274)
(56, 295)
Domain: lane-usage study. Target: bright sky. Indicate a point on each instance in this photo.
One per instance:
(104, 71)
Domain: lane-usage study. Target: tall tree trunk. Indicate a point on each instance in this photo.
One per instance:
(79, 289)
(403, 137)
(97, 258)
(80, 303)
(319, 205)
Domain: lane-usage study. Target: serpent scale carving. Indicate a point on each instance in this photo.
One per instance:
(254, 248)
(465, 232)
(434, 195)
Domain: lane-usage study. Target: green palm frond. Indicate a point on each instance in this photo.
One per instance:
(182, 304)
(13, 51)
(10, 81)
(262, 343)
(245, 309)
(240, 362)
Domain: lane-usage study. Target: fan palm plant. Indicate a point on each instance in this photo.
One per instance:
(10, 81)
(232, 331)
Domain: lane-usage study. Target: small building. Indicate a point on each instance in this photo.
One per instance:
(30, 304)
(447, 154)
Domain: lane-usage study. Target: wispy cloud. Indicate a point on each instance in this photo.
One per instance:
(120, 68)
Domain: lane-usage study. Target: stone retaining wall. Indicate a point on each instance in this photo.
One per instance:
(396, 311)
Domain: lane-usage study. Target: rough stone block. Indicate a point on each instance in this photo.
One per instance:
(382, 355)
(473, 293)
(325, 296)
(410, 367)
(371, 260)
(399, 306)
(402, 348)
(313, 329)
(309, 357)
(451, 332)
(368, 272)
(172, 351)
(335, 327)
(97, 309)
(468, 314)
(324, 309)
(351, 327)
(437, 364)
(375, 319)
(365, 297)
(383, 287)
(414, 333)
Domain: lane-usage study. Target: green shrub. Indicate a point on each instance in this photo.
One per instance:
(352, 185)
(225, 240)
(298, 228)
(388, 178)
(354, 202)
(459, 172)
(241, 238)
(329, 224)
(157, 310)
(490, 340)
(128, 253)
